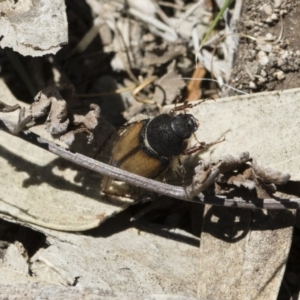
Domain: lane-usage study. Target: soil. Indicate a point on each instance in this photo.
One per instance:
(259, 63)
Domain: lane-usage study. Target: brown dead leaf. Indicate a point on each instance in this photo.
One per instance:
(50, 102)
(194, 85)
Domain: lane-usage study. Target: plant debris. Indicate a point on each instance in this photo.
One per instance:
(229, 174)
(60, 118)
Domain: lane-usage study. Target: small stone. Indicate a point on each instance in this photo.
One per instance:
(262, 58)
(279, 75)
(277, 3)
(280, 62)
(268, 9)
(269, 37)
(283, 45)
(284, 55)
(261, 53)
(274, 17)
(252, 85)
(263, 73)
(283, 12)
(269, 20)
(272, 59)
(261, 80)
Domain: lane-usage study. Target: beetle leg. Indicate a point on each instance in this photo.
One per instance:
(183, 106)
(202, 145)
(196, 148)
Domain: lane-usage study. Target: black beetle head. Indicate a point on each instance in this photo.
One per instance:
(184, 125)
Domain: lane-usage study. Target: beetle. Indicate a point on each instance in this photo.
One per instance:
(148, 147)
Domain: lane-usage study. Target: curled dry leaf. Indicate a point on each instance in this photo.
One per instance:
(269, 175)
(61, 120)
(228, 162)
(90, 120)
(245, 179)
(69, 137)
(50, 102)
(230, 173)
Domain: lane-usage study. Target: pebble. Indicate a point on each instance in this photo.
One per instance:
(268, 9)
(269, 37)
(277, 3)
(252, 85)
(280, 62)
(279, 75)
(272, 59)
(276, 48)
(274, 17)
(283, 12)
(269, 20)
(283, 45)
(263, 73)
(262, 58)
(261, 80)
(284, 55)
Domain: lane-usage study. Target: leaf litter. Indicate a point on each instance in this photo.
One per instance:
(140, 54)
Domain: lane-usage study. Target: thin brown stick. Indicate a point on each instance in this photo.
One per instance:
(146, 183)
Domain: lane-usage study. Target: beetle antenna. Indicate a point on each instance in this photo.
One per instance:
(172, 111)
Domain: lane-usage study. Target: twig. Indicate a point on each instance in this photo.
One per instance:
(157, 26)
(189, 12)
(146, 183)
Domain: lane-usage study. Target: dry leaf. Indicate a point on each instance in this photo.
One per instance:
(38, 188)
(28, 27)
